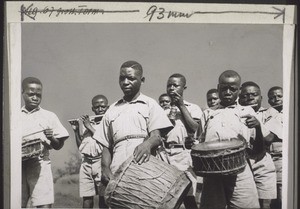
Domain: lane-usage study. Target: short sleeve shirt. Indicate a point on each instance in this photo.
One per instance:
(89, 146)
(179, 132)
(226, 123)
(274, 121)
(39, 119)
(138, 117)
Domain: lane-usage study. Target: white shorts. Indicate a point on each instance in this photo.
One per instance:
(265, 177)
(37, 183)
(236, 191)
(89, 177)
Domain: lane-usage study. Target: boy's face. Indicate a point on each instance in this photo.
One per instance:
(228, 90)
(165, 102)
(276, 97)
(32, 96)
(99, 106)
(250, 95)
(175, 85)
(213, 100)
(130, 82)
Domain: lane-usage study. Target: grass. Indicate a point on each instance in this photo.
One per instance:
(66, 191)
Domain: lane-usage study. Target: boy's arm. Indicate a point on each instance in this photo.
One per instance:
(105, 164)
(56, 143)
(87, 124)
(190, 123)
(75, 127)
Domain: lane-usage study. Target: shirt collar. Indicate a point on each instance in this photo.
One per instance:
(230, 106)
(140, 99)
(23, 109)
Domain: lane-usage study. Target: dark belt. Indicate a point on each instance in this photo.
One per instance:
(276, 154)
(174, 146)
(133, 136)
(90, 159)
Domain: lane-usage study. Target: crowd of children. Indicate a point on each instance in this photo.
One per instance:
(137, 124)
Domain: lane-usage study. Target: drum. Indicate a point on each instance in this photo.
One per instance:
(31, 148)
(219, 157)
(153, 184)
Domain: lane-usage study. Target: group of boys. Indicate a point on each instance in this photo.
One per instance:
(137, 125)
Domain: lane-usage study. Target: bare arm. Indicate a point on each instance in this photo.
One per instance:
(190, 124)
(75, 127)
(56, 143)
(105, 164)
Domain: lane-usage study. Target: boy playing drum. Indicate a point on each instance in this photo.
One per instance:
(229, 121)
(38, 123)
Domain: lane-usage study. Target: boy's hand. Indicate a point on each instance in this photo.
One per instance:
(106, 176)
(49, 133)
(177, 99)
(251, 121)
(142, 153)
(86, 121)
(74, 124)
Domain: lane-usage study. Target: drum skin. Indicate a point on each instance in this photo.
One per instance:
(153, 184)
(227, 157)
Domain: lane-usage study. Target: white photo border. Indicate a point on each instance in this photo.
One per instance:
(149, 13)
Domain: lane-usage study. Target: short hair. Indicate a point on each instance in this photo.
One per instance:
(163, 95)
(135, 65)
(178, 75)
(229, 74)
(250, 83)
(30, 80)
(212, 91)
(99, 96)
(274, 88)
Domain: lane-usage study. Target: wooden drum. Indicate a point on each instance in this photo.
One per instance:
(219, 157)
(31, 148)
(153, 184)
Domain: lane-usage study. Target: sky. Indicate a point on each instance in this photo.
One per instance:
(78, 61)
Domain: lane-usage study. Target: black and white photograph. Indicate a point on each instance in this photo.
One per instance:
(150, 105)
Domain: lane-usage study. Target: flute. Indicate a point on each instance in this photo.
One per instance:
(91, 118)
(277, 105)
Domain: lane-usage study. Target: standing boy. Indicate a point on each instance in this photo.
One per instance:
(164, 101)
(132, 125)
(91, 150)
(262, 164)
(274, 123)
(229, 121)
(212, 98)
(38, 123)
(185, 117)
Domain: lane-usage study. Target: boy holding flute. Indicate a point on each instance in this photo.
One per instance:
(91, 151)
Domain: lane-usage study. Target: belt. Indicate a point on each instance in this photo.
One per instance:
(133, 136)
(89, 159)
(174, 145)
(276, 154)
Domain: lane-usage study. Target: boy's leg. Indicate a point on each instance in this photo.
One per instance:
(40, 181)
(88, 202)
(190, 201)
(102, 203)
(25, 188)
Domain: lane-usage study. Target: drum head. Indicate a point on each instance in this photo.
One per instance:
(219, 145)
